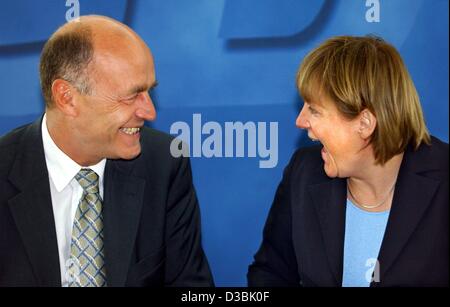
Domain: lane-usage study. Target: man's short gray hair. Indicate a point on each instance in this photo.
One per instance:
(67, 56)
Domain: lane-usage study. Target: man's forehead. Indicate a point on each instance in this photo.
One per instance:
(122, 75)
(127, 58)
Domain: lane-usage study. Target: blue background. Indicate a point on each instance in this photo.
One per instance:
(231, 60)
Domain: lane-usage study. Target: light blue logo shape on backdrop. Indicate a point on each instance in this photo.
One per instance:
(270, 18)
(30, 21)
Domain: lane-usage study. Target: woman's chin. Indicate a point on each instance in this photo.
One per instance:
(331, 171)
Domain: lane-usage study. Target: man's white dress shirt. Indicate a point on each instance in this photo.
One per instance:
(66, 193)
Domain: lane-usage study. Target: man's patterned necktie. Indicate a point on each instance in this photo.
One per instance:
(87, 265)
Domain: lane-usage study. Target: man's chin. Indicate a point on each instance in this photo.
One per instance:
(131, 156)
(128, 155)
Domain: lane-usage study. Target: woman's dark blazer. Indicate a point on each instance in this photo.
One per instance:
(303, 240)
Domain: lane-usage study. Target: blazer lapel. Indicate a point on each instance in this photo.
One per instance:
(329, 200)
(32, 208)
(124, 194)
(413, 194)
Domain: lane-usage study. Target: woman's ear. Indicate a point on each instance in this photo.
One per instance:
(367, 124)
(63, 95)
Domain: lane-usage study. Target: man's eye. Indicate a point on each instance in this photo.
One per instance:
(129, 99)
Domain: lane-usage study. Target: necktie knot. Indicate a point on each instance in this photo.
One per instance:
(88, 180)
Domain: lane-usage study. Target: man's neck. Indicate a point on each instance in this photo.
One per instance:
(60, 134)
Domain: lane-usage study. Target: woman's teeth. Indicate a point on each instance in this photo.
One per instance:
(130, 131)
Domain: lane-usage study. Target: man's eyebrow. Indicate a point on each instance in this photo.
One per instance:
(155, 84)
(142, 88)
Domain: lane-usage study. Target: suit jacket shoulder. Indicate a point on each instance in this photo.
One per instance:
(429, 160)
(9, 144)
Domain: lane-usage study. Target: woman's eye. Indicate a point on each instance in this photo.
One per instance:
(313, 111)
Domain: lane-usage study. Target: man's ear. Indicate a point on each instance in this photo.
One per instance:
(367, 124)
(63, 97)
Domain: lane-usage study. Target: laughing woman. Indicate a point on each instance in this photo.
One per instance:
(369, 206)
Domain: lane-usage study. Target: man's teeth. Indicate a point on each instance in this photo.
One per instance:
(130, 131)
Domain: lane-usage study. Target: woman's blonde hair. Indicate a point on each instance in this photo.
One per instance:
(360, 73)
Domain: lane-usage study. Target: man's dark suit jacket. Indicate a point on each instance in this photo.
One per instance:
(303, 240)
(150, 210)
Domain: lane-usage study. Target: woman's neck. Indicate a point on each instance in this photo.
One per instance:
(373, 185)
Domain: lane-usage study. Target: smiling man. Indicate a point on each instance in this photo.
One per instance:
(88, 195)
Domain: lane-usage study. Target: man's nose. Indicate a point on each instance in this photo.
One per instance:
(145, 108)
(302, 120)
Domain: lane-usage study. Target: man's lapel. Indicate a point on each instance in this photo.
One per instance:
(32, 207)
(123, 199)
(329, 200)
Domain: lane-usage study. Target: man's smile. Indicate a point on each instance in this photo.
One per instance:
(130, 131)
